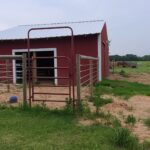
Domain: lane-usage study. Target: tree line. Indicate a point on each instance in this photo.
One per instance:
(129, 57)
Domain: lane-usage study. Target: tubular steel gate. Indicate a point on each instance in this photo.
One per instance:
(51, 90)
(49, 95)
(8, 87)
(87, 69)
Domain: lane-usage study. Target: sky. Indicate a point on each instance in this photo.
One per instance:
(128, 21)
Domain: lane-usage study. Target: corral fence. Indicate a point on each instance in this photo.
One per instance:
(8, 85)
(87, 73)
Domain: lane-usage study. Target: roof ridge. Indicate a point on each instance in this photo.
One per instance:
(71, 22)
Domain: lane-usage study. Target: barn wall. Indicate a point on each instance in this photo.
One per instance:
(86, 45)
(104, 52)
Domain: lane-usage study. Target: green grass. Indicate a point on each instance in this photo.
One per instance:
(143, 67)
(99, 101)
(124, 89)
(123, 138)
(147, 122)
(130, 120)
(42, 129)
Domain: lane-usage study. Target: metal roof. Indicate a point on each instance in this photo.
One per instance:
(79, 28)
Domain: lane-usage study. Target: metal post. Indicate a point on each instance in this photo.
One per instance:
(24, 77)
(34, 65)
(32, 77)
(78, 78)
(91, 78)
(7, 75)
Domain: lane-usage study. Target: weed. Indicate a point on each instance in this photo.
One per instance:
(3, 106)
(130, 120)
(68, 107)
(98, 101)
(116, 122)
(146, 144)
(82, 109)
(147, 122)
(123, 73)
(123, 138)
(109, 119)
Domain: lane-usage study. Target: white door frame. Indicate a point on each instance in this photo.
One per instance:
(36, 50)
(99, 56)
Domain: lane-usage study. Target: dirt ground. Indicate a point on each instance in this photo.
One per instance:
(140, 77)
(138, 106)
(16, 90)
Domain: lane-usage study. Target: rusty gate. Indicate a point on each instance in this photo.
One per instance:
(49, 92)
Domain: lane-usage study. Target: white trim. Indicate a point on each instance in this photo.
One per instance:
(35, 50)
(99, 56)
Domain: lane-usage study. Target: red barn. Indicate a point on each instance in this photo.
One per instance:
(90, 38)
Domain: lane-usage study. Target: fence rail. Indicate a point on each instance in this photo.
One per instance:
(87, 70)
(6, 71)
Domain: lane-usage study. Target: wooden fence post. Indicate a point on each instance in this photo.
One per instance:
(7, 75)
(24, 78)
(91, 78)
(78, 78)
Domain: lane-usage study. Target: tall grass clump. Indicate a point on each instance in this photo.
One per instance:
(147, 122)
(80, 108)
(130, 120)
(123, 139)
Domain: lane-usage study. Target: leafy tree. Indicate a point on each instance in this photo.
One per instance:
(129, 57)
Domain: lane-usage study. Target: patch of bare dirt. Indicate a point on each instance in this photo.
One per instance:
(139, 106)
(16, 90)
(140, 77)
(86, 122)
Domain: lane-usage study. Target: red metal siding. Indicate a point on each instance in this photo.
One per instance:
(105, 52)
(86, 45)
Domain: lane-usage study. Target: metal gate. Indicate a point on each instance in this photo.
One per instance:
(69, 68)
(51, 82)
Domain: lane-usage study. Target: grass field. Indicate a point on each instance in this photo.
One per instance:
(39, 129)
(122, 88)
(143, 67)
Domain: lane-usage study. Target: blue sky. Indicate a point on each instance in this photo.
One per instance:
(128, 21)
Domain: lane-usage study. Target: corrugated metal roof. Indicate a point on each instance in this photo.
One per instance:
(79, 28)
